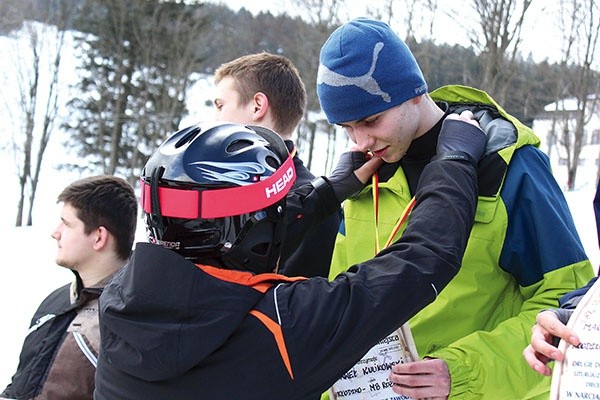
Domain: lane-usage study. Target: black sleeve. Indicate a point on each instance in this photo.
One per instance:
(307, 206)
(312, 256)
(570, 300)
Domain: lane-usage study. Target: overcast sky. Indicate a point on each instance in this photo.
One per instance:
(541, 36)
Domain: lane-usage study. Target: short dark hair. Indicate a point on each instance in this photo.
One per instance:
(275, 76)
(106, 201)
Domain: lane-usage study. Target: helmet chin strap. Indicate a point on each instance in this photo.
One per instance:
(278, 238)
(258, 246)
(158, 225)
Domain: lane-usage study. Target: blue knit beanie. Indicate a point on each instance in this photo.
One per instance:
(364, 69)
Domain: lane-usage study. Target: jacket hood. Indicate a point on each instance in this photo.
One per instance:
(162, 315)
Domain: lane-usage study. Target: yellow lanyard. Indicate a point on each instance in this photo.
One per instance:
(403, 217)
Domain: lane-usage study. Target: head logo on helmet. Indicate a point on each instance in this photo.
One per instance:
(217, 190)
(282, 184)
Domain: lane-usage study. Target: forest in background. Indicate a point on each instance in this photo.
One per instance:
(138, 59)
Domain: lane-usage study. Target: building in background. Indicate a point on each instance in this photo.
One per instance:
(556, 127)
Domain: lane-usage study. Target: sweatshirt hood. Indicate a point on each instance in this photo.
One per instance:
(161, 314)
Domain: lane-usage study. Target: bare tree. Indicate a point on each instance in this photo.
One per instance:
(37, 60)
(322, 13)
(580, 24)
(416, 18)
(497, 39)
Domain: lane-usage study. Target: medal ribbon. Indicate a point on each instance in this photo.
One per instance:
(399, 223)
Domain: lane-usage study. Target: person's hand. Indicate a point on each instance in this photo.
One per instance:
(429, 379)
(465, 116)
(352, 172)
(461, 134)
(541, 349)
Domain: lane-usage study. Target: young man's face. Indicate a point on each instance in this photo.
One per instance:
(387, 134)
(75, 248)
(227, 107)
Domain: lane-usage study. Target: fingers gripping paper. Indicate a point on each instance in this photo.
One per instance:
(578, 375)
(369, 378)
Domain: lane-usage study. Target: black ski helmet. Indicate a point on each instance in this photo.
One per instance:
(217, 191)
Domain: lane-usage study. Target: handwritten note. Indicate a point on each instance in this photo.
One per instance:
(578, 375)
(369, 378)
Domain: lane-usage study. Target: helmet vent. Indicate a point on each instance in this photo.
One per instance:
(188, 136)
(272, 161)
(238, 145)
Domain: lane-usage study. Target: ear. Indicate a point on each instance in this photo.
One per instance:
(102, 238)
(261, 106)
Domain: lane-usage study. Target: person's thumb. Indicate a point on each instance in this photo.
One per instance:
(366, 171)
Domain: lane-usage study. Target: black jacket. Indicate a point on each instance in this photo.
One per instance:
(52, 363)
(174, 330)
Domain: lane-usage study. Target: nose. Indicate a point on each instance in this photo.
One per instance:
(55, 235)
(363, 140)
